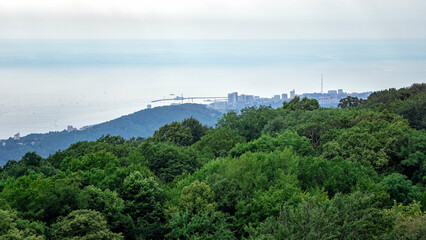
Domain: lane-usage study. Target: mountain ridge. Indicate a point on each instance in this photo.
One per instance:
(142, 123)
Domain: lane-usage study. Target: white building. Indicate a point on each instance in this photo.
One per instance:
(17, 136)
(70, 128)
(276, 98)
(232, 97)
(293, 93)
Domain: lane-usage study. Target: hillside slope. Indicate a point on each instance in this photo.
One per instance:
(139, 124)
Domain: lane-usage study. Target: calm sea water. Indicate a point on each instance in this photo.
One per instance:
(48, 84)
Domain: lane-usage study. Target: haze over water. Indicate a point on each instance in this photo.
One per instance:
(49, 84)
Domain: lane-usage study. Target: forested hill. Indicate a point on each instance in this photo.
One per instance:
(295, 172)
(139, 124)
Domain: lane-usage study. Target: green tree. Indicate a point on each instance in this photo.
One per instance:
(38, 198)
(197, 197)
(197, 129)
(144, 202)
(264, 182)
(250, 122)
(400, 188)
(410, 221)
(335, 176)
(409, 102)
(175, 133)
(413, 154)
(310, 124)
(267, 143)
(82, 224)
(29, 162)
(371, 143)
(227, 192)
(304, 104)
(344, 217)
(109, 204)
(186, 133)
(203, 225)
(113, 140)
(349, 102)
(101, 159)
(14, 228)
(168, 161)
(218, 141)
(31, 195)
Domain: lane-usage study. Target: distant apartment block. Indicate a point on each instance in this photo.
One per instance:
(292, 94)
(70, 128)
(250, 98)
(232, 97)
(276, 98)
(237, 102)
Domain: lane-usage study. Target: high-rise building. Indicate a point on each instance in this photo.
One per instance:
(292, 93)
(232, 97)
(284, 96)
(276, 98)
(249, 98)
(332, 92)
(339, 91)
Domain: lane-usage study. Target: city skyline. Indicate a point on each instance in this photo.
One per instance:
(254, 46)
(234, 101)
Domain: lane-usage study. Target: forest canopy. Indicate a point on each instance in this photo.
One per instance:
(295, 172)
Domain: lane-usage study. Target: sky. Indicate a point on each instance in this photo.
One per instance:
(212, 19)
(48, 84)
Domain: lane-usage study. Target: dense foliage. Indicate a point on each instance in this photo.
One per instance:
(296, 172)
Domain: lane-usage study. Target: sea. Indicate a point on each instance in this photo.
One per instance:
(46, 85)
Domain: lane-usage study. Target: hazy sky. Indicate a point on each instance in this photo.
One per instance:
(212, 19)
(80, 82)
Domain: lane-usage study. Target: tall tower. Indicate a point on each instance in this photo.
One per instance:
(292, 93)
(322, 86)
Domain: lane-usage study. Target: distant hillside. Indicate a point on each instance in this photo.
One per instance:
(139, 124)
